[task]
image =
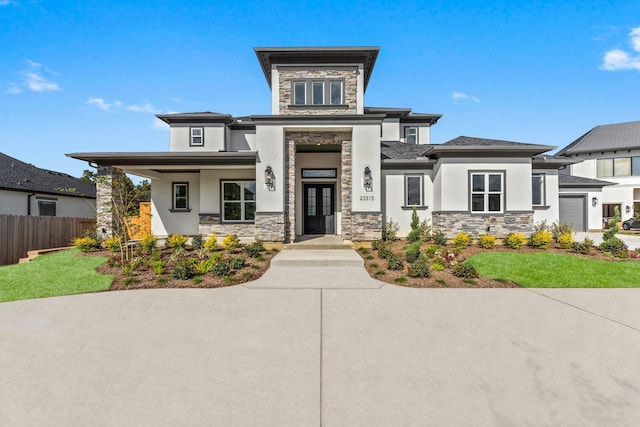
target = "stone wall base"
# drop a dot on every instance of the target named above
(500, 225)
(270, 226)
(366, 226)
(267, 226)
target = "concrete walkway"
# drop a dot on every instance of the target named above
(272, 353)
(632, 241)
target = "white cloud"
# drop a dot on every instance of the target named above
(104, 106)
(34, 79)
(618, 59)
(459, 96)
(38, 83)
(146, 108)
(14, 89)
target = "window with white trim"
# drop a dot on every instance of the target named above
(411, 135)
(335, 89)
(487, 192)
(299, 93)
(197, 136)
(46, 207)
(317, 93)
(413, 190)
(537, 189)
(180, 196)
(238, 201)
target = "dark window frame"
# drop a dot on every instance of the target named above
(406, 135)
(242, 201)
(543, 189)
(406, 190)
(174, 207)
(486, 192)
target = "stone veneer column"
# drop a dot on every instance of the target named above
(104, 200)
(290, 190)
(345, 189)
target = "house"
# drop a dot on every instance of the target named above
(29, 190)
(324, 163)
(606, 165)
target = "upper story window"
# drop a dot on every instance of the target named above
(487, 192)
(413, 190)
(620, 166)
(537, 189)
(335, 92)
(318, 92)
(197, 136)
(180, 196)
(411, 135)
(299, 93)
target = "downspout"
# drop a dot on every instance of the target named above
(29, 203)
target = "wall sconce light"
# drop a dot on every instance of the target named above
(627, 209)
(269, 178)
(594, 202)
(368, 179)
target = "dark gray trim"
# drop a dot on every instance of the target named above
(173, 197)
(221, 183)
(422, 189)
(180, 210)
(418, 208)
(191, 144)
(302, 170)
(169, 158)
(541, 208)
(46, 198)
(318, 106)
(404, 128)
(544, 189)
(504, 190)
(203, 117)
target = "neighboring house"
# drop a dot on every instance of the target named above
(323, 163)
(607, 165)
(28, 190)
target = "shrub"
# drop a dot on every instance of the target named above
(412, 252)
(565, 240)
(385, 252)
(254, 249)
(148, 242)
(114, 261)
(158, 267)
(461, 240)
(486, 241)
(613, 225)
(196, 241)
(221, 268)
(540, 240)
(614, 245)
(464, 270)
(414, 236)
(236, 263)
(128, 281)
(400, 279)
(85, 244)
(211, 243)
(175, 241)
(541, 226)
(436, 266)
(395, 262)
(583, 247)
(432, 251)
(415, 219)
(203, 267)
(420, 268)
(425, 230)
(390, 230)
(183, 270)
(113, 243)
(560, 228)
(230, 242)
(514, 241)
(375, 245)
(440, 239)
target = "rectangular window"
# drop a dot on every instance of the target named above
(197, 136)
(319, 173)
(635, 166)
(413, 190)
(487, 192)
(604, 167)
(317, 91)
(537, 189)
(622, 166)
(335, 89)
(411, 135)
(181, 195)
(238, 201)
(299, 93)
(46, 207)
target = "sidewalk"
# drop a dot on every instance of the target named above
(632, 241)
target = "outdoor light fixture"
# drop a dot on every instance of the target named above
(269, 177)
(368, 179)
(594, 202)
(627, 209)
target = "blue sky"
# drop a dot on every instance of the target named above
(90, 75)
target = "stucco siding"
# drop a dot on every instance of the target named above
(13, 202)
(165, 222)
(16, 203)
(214, 137)
(366, 153)
(269, 142)
(394, 199)
(550, 212)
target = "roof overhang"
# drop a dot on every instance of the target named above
(409, 164)
(551, 162)
(365, 55)
(205, 117)
(524, 150)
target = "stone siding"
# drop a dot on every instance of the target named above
(270, 226)
(346, 74)
(105, 226)
(210, 223)
(345, 189)
(366, 226)
(499, 225)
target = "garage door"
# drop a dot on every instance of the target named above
(572, 211)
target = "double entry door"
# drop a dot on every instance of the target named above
(319, 209)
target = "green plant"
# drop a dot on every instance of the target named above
(436, 266)
(114, 261)
(583, 247)
(469, 281)
(560, 228)
(363, 250)
(379, 273)
(175, 241)
(129, 267)
(565, 240)
(464, 270)
(162, 280)
(486, 241)
(614, 245)
(414, 236)
(441, 282)
(432, 251)
(400, 279)
(128, 281)
(385, 252)
(229, 280)
(230, 242)
(148, 242)
(461, 240)
(373, 265)
(540, 239)
(420, 268)
(203, 267)
(221, 268)
(158, 267)
(395, 262)
(514, 241)
(541, 226)
(197, 280)
(390, 230)
(211, 243)
(182, 270)
(113, 243)
(439, 239)
(412, 252)
(85, 244)
(196, 242)
(613, 225)
(178, 254)
(254, 249)
(247, 275)
(425, 230)
(415, 219)
(236, 263)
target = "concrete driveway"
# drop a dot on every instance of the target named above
(323, 357)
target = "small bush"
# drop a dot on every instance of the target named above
(420, 268)
(379, 273)
(85, 244)
(373, 265)
(158, 267)
(176, 241)
(148, 242)
(414, 236)
(254, 249)
(439, 239)
(412, 252)
(236, 263)
(390, 230)
(541, 226)
(203, 267)
(113, 243)
(432, 251)
(425, 230)
(464, 270)
(395, 262)
(565, 240)
(196, 242)
(613, 226)
(436, 266)
(461, 240)
(615, 246)
(400, 279)
(385, 252)
(183, 270)
(583, 247)
(363, 250)
(197, 280)
(560, 228)
(221, 268)
(540, 240)
(486, 241)
(230, 242)
(514, 241)
(211, 243)
(114, 261)
(128, 281)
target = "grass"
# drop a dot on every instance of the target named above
(549, 270)
(59, 273)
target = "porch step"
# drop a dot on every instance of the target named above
(329, 242)
(318, 258)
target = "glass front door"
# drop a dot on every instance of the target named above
(319, 209)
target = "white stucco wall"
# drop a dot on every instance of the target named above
(164, 222)
(365, 151)
(594, 213)
(269, 142)
(240, 140)
(15, 203)
(393, 195)
(210, 189)
(551, 211)
(391, 130)
(214, 137)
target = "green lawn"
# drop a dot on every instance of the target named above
(59, 273)
(553, 270)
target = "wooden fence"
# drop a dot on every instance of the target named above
(139, 226)
(19, 234)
